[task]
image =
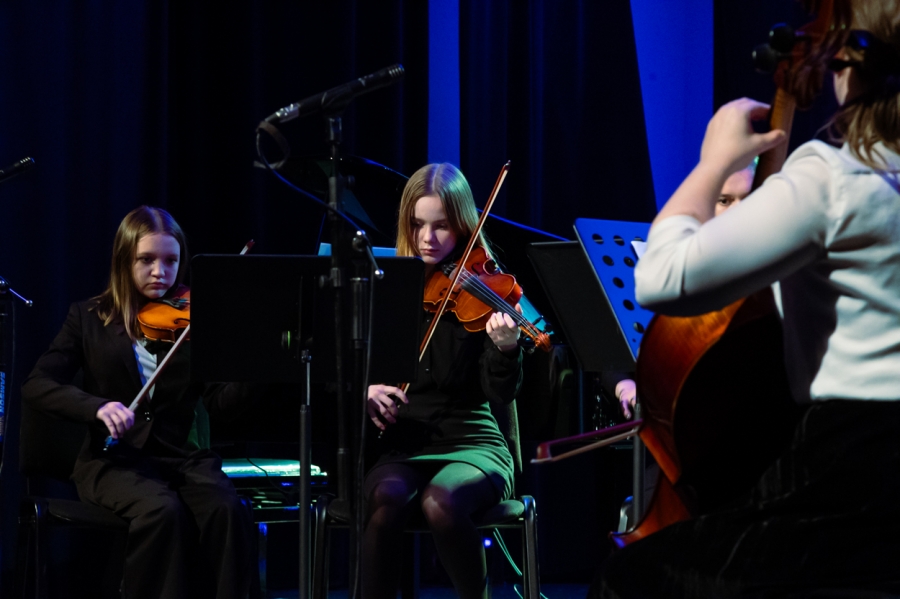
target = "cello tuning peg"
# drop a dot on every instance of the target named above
(782, 38)
(766, 58)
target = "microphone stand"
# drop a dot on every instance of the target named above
(349, 502)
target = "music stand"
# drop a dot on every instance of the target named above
(233, 341)
(609, 247)
(591, 286)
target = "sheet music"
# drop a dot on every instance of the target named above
(639, 247)
(325, 250)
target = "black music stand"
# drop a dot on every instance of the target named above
(590, 283)
(279, 296)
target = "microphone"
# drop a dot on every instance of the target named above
(336, 99)
(15, 168)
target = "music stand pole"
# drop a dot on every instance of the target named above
(637, 492)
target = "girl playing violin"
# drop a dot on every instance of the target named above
(441, 449)
(822, 520)
(157, 477)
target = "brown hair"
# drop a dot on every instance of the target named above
(121, 301)
(449, 184)
(875, 115)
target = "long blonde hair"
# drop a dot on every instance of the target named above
(449, 184)
(875, 115)
(121, 301)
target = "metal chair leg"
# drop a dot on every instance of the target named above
(531, 574)
(320, 549)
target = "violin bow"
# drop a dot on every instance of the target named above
(455, 279)
(469, 247)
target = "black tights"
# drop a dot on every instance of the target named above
(448, 499)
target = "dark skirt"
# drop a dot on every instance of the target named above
(823, 521)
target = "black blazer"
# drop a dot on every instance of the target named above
(106, 356)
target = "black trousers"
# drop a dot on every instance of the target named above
(189, 534)
(823, 521)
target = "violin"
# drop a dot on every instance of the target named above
(161, 319)
(480, 291)
(474, 274)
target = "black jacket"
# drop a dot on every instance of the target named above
(106, 356)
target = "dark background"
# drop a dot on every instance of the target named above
(132, 103)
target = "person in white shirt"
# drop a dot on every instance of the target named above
(825, 233)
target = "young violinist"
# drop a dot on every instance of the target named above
(185, 519)
(822, 520)
(441, 450)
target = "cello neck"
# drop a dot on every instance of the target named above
(780, 117)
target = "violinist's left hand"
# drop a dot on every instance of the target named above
(503, 330)
(626, 393)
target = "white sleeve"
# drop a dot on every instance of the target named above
(690, 268)
(146, 364)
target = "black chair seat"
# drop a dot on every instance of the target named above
(37, 515)
(47, 451)
(76, 513)
(513, 513)
(502, 513)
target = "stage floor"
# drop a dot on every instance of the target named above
(507, 591)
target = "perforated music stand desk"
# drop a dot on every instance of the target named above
(590, 283)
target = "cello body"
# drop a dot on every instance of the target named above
(716, 411)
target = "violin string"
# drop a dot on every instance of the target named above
(480, 290)
(477, 288)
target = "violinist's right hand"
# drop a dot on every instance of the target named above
(116, 417)
(382, 404)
